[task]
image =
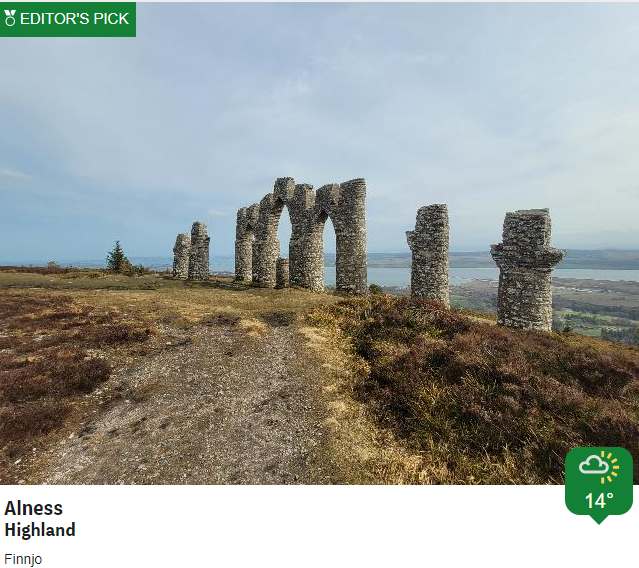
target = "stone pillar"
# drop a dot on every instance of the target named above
(350, 233)
(265, 255)
(281, 273)
(244, 259)
(429, 245)
(244, 244)
(300, 209)
(313, 277)
(525, 260)
(181, 252)
(199, 257)
(266, 247)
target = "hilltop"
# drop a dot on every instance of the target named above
(114, 379)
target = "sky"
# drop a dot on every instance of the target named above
(486, 107)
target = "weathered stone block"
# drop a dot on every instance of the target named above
(429, 246)
(199, 255)
(281, 273)
(525, 260)
(244, 237)
(181, 252)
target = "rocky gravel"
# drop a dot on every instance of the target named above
(209, 405)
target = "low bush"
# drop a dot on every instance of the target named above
(375, 289)
(135, 270)
(52, 268)
(45, 365)
(490, 404)
(59, 374)
(28, 420)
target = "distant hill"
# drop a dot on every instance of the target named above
(597, 259)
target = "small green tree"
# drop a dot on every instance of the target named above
(116, 260)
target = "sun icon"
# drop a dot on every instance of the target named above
(613, 473)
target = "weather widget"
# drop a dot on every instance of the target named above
(599, 482)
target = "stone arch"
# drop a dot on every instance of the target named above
(266, 246)
(345, 205)
(308, 211)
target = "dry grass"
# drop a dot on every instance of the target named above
(36, 269)
(469, 402)
(55, 326)
(59, 271)
(476, 403)
(49, 359)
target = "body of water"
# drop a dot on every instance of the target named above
(401, 276)
(396, 276)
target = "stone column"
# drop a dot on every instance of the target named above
(243, 247)
(199, 257)
(265, 255)
(350, 241)
(300, 207)
(181, 252)
(281, 273)
(525, 260)
(266, 247)
(313, 255)
(429, 245)
(244, 259)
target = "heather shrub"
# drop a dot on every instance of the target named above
(45, 365)
(492, 404)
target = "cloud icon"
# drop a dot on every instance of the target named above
(585, 467)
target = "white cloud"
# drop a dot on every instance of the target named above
(488, 108)
(584, 466)
(14, 175)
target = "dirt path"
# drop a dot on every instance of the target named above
(211, 405)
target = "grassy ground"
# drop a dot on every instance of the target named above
(154, 297)
(483, 404)
(52, 352)
(412, 393)
(66, 334)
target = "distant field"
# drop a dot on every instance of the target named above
(599, 308)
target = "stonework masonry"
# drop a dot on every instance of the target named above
(244, 237)
(525, 260)
(199, 254)
(524, 257)
(429, 246)
(308, 210)
(282, 273)
(181, 252)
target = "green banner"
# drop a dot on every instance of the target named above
(67, 19)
